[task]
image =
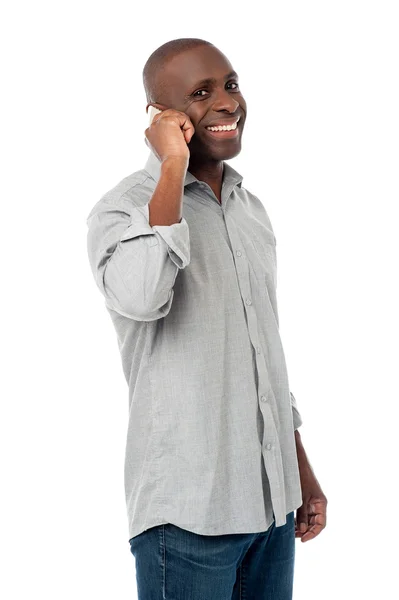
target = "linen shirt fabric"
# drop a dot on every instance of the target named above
(210, 440)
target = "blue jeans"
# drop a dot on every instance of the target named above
(175, 564)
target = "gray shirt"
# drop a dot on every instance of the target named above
(210, 441)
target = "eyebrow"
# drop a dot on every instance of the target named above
(212, 80)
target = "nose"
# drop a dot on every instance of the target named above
(225, 101)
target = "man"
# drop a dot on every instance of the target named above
(185, 258)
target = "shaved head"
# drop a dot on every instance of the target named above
(155, 84)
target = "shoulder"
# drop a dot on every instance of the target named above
(256, 206)
(132, 191)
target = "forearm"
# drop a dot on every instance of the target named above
(303, 461)
(165, 206)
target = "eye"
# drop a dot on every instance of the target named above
(203, 90)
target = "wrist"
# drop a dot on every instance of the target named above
(175, 162)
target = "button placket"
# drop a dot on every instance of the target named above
(272, 466)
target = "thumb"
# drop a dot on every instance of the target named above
(188, 134)
(301, 519)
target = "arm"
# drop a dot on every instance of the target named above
(311, 516)
(136, 253)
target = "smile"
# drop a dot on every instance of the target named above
(224, 132)
(224, 127)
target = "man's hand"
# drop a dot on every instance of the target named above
(169, 133)
(311, 517)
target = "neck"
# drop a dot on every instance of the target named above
(210, 172)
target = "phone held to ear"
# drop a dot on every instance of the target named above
(152, 112)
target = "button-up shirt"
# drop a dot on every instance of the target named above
(210, 440)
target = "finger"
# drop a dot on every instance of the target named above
(317, 521)
(301, 519)
(183, 120)
(188, 129)
(306, 517)
(318, 512)
(185, 123)
(312, 532)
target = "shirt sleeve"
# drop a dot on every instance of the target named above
(296, 415)
(135, 265)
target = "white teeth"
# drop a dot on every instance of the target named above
(224, 127)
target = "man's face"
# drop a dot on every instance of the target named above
(206, 103)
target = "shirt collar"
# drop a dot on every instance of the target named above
(230, 175)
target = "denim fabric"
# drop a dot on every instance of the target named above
(175, 564)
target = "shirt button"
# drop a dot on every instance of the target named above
(248, 301)
(258, 350)
(268, 446)
(263, 398)
(238, 252)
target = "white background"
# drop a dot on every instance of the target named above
(320, 149)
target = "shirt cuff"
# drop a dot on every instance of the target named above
(175, 236)
(296, 416)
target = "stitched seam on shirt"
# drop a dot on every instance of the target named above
(122, 195)
(133, 186)
(150, 442)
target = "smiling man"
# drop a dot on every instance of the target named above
(185, 257)
(187, 82)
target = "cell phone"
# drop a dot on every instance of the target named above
(152, 112)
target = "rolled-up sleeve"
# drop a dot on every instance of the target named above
(296, 415)
(135, 265)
